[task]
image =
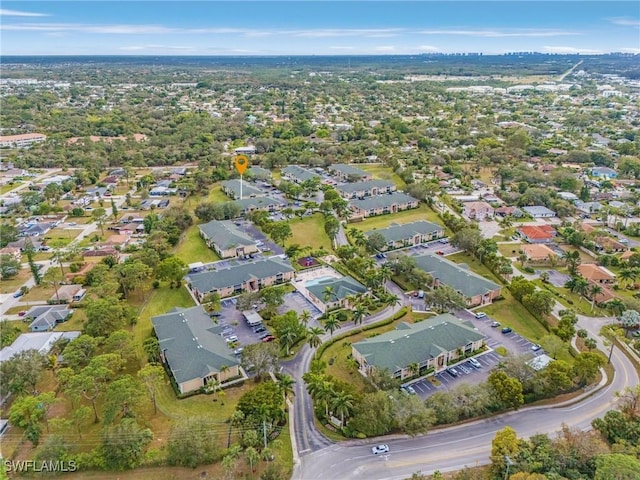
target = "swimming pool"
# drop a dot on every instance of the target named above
(316, 281)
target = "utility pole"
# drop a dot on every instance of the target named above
(264, 429)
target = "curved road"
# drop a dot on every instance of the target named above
(445, 449)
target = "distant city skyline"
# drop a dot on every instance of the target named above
(317, 28)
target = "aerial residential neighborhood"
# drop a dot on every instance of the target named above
(319, 266)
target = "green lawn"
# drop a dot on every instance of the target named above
(8, 187)
(509, 249)
(509, 312)
(423, 212)
(309, 231)
(61, 237)
(216, 194)
(383, 173)
(10, 285)
(193, 249)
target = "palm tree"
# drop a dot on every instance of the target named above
(507, 222)
(391, 300)
(414, 368)
(328, 294)
(287, 339)
(342, 403)
(594, 289)
(385, 273)
(573, 260)
(581, 286)
(305, 316)
(314, 335)
(544, 277)
(522, 258)
(627, 275)
(331, 324)
(359, 313)
(616, 307)
(286, 383)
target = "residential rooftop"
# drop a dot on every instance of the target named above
(190, 343)
(340, 288)
(458, 277)
(417, 342)
(238, 274)
(299, 173)
(382, 201)
(365, 186)
(396, 232)
(225, 234)
(348, 170)
(248, 190)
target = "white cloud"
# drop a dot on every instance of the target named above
(385, 48)
(630, 50)
(500, 33)
(570, 50)
(338, 47)
(344, 32)
(625, 21)
(428, 48)
(133, 48)
(16, 13)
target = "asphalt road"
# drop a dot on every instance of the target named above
(461, 446)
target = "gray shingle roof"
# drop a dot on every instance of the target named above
(382, 201)
(342, 287)
(47, 315)
(258, 202)
(260, 172)
(239, 274)
(193, 349)
(365, 186)
(225, 234)
(449, 273)
(417, 342)
(247, 189)
(394, 233)
(347, 170)
(299, 173)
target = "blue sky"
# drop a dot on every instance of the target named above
(316, 28)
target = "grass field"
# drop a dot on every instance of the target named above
(61, 237)
(8, 187)
(216, 194)
(423, 212)
(507, 311)
(509, 249)
(383, 173)
(10, 285)
(193, 249)
(309, 231)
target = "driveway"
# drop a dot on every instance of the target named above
(556, 278)
(489, 228)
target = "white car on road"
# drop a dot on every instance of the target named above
(380, 449)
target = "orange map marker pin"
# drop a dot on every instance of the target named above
(242, 162)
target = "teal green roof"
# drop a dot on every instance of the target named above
(396, 232)
(248, 190)
(299, 173)
(347, 170)
(457, 277)
(236, 275)
(225, 234)
(365, 186)
(342, 287)
(191, 343)
(382, 201)
(417, 342)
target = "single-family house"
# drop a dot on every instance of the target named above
(348, 173)
(609, 245)
(329, 293)
(414, 233)
(537, 233)
(119, 241)
(232, 188)
(568, 196)
(24, 140)
(193, 350)
(478, 210)
(476, 289)
(539, 211)
(246, 277)
(368, 188)
(596, 274)
(605, 173)
(227, 239)
(296, 174)
(381, 204)
(508, 211)
(432, 344)
(539, 254)
(40, 341)
(67, 294)
(14, 252)
(24, 243)
(46, 317)
(588, 207)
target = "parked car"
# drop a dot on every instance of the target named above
(269, 338)
(507, 330)
(215, 314)
(495, 324)
(259, 329)
(475, 363)
(18, 294)
(453, 371)
(22, 313)
(232, 339)
(480, 315)
(444, 240)
(238, 351)
(535, 347)
(378, 449)
(408, 389)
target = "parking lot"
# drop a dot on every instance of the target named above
(440, 247)
(295, 301)
(466, 372)
(231, 322)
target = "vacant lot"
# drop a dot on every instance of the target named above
(383, 173)
(423, 212)
(309, 231)
(61, 237)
